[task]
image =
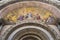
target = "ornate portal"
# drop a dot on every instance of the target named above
(29, 20)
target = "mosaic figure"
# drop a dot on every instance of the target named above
(21, 18)
(29, 16)
(38, 16)
(50, 20)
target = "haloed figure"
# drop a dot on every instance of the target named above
(51, 20)
(38, 16)
(29, 16)
(21, 18)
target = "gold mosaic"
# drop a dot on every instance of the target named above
(28, 13)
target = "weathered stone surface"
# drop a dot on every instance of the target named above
(50, 30)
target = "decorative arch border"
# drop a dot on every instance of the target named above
(13, 6)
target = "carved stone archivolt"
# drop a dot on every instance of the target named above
(30, 17)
